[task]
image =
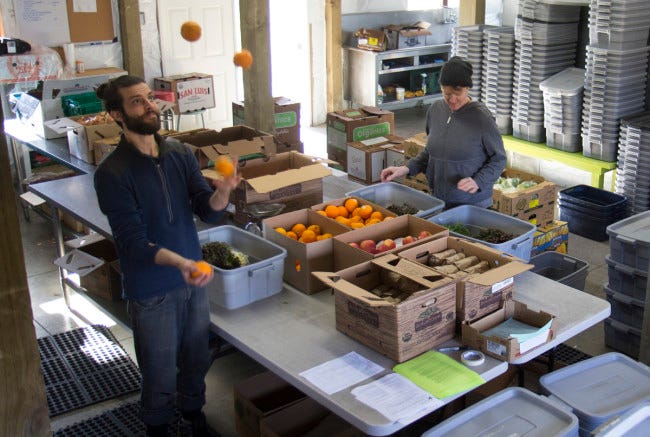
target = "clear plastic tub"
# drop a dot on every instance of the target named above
(514, 411)
(476, 219)
(391, 193)
(562, 268)
(262, 278)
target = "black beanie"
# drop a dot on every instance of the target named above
(456, 72)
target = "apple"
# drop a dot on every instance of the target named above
(424, 234)
(367, 245)
(355, 245)
(408, 239)
(381, 247)
(390, 244)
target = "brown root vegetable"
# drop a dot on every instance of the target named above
(481, 267)
(447, 269)
(452, 259)
(466, 262)
(436, 259)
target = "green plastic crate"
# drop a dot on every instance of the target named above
(81, 104)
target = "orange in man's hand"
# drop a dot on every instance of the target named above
(191, 31)
(202, 268)
(243, 59)
(224, 166)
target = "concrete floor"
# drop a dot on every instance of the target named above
(51, 315)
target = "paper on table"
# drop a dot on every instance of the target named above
(396, 397)
(520, 331)
(439, 374)
(342, 372)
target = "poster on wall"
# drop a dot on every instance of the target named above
(42, 23)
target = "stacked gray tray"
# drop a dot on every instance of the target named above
(498, 74)
(633, 168)
(563, 109)
(467, 42)
(542, 49)
(619, 24)
(615, 85)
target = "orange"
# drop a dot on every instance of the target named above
(351, 204)
(332, 211)
(365, 211)
(281, 230)
(292, 235)
(314, 228)
(357, 225)
(224, 166)
(343, 212)
(356, 219)
(325, 236)
(322, 212)
(202, 268)
(243, 59)
(356, 212)
(377, 215)
(298, 229)
(191, 31)
(308, 236)
(343, 220)
(372, 221)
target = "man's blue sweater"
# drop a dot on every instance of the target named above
(150, 204)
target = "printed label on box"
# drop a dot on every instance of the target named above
(336, 139)
(370, 131)
(499, 285)
(285, 119)
(496, 348)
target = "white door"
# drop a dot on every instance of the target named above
(211, 54)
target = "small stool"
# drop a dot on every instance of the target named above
(197, 112)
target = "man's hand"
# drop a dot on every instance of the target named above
(223, 187)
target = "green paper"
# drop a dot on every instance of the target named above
(439, 374)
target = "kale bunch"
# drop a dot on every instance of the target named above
(224, 256)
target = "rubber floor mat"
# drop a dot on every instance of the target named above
(85, 366)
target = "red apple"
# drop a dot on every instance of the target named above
(408, 239)
(381, 247)
(390, 244)
(424, 234)
(355, 245)
(367, 245)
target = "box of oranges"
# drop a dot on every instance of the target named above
(307, 237)
(353, 212)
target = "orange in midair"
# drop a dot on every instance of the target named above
(243, 59)
(224, 166)
(203, 268)
(191, 31)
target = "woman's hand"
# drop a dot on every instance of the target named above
(468, 185)
(390, 173)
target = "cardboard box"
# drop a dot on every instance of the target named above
(287, 119)
(481, 294)
(290, 147)
(35, 111)
(193, 91)
(242, 141)
(104, 281)
(371, 39)
(524, 204)
(395, 155)
(552, 237)
(502, 348)
(401, 36)
(103, 147)
(352, 125)
(412, 146)
(419, 182)
(306, 418)
(82, 135)
(367, 158)
(290, 178)
(399, 330)
(304, 258)
(260, 396)
(399, 227)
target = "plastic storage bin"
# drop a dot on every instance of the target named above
(622, 337)
(629, 241)
(260, 279)
(634, 423)
(512, 411)
(476, 219)
(590, 210)
(391, 193)
(625, 309)
(625, 279)
(81, 104)
(600, 388)
(561, 268)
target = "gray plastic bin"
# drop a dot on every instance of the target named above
(634, 423)
(600, 388)
(625, 309)
(629, 241)
(626, 280)
(476, 219)
(622, 337)
(260, 279)
(512, 411)
(561, 268)
(386, 194)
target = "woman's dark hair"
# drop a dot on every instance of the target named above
(109, 91)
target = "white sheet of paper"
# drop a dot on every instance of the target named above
(84, 6)
(396, 397)
(342, 372)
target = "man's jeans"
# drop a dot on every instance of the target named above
(171, 335)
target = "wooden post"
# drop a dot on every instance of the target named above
(471, 12)
(131, 37)
(255, 37)
(22, 389)
(333, 55)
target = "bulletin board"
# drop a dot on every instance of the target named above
(91, 26)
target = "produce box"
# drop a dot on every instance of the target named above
(371, 39)
(552, 237)
(367, 158)
(352, 125)
(258, 397)
(507, 349)
(477, 294)
(85, 130)
(402, 36)
(418, 318)
(287, 119)
(192, 91)
(303, 258)
(241, 141)
(106, 280)
(399, 228)
(412, 146)
(103, 147)
(418, 182)
(535, 204)
(290, 178)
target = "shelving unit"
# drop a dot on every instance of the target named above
(401, 67)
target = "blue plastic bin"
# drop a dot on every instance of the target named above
(476, 219)
(391, 193)
(634, 423)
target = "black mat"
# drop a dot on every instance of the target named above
(85, 366)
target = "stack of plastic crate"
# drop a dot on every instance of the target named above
(498, 73)
(467, 42)
(633, 168)
(546, 39)
(617, 69)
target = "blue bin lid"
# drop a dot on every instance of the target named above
(634, 423)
